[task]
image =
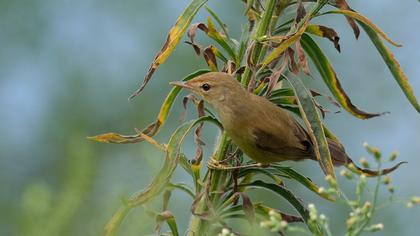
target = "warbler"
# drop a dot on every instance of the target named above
(264, 131)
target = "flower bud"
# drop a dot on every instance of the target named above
(394, 156)
(331, 181)
(364, 162)
(346, 174)
(375, 228)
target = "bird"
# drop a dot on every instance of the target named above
(264, 131)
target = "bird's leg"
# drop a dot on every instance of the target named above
(216, 165)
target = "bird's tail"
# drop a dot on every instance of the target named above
(339, 158)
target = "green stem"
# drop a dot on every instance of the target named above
(199, 226)
(261, 30)
(369, 215)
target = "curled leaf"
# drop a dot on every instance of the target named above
(210, 58)
(342, 4)
(326, 32)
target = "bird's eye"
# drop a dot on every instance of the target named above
(205, 87)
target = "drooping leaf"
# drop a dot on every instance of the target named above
(210, 58)
(161, 180)
(366, 21)
(393, 65)
(174, 36)
(314, 125)
(303, 62)
(305, 181)
(330, 78)
(183, 187)
(300, 11)
(290, 197)
(154, 127)
(293, 67)
(326, 32)
(342, 4)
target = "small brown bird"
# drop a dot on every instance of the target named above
(265, 132)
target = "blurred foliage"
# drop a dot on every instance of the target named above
(261, 60)
(66, 69)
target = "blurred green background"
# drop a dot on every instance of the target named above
(68, 67)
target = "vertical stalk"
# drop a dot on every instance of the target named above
(261, 30)
(198, 226)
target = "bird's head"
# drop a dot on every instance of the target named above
(217, 88)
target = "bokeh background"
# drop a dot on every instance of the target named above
(67, 68)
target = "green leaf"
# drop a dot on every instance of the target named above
(163, 177)
(330, 78)
(393, 65)
(286, 194)
(154, 127)
(253, 170)
(305, 181)
(313, 122)
(174, 36)
(170, 220)
(183, 187)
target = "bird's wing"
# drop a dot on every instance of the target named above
(295, 144)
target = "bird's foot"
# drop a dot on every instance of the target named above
(216, 165)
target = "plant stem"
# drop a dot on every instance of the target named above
(199, 226)
(261, 30)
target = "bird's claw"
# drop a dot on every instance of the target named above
(217, 165)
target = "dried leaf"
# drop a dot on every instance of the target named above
(326, 32)
(210, 58)
(303, 62)
(293, 67)
(275, 76)
(300, 12)
(342, 4)
(174, 36)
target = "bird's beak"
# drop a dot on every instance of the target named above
(181, 84)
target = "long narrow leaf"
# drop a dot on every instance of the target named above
(305, 181)
(174, 36)
(314, 125)
(290, 197)
(330, 77)
(393, 65)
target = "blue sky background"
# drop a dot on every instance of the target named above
(67, 68)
